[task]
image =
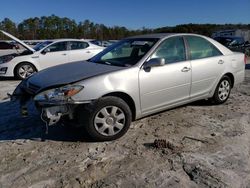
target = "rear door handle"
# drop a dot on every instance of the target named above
(185, 69)
(88, 52)
(220, 62)
(64, 54)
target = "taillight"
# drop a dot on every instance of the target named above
(245, 59)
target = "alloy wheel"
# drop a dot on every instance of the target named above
(26, 70)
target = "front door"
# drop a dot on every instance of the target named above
(162, 86)
(54, 54)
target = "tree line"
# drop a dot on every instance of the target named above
(53, 27)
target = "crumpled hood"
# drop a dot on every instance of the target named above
(68, 73)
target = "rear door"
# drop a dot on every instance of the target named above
(207, 64)
(79, 51)
(54, 54)
(168, 84)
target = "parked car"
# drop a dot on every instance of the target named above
(44, 55)
(6, 46)
(134, 78)
(237, 44)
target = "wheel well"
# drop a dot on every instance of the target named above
(22, 63)
(231, 76)
(127, 99)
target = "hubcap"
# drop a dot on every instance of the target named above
(109, 121)
(224, 90)
(25, 71)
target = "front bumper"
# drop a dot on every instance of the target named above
(51, 111)
(3, 70)
(6, 70)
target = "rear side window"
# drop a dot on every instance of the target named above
(172, 50)
(75, 45)
(201, 48)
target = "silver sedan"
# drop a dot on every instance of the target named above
(133, 78)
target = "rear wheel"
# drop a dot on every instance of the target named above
(106, 119)
(222, 90)
(24, 70)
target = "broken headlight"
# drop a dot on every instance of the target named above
(59, 94)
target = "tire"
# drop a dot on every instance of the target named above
(106, 119)
(24, 70)
(222, 90)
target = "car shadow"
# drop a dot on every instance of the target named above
(8, 78)
(201, 103)
(13, 126)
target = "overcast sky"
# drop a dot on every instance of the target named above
(133, 14)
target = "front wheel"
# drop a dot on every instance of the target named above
(106, 119)
(24, 70)
(222, 90)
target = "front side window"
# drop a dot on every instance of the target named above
(59, 46)
(201, 48)
(125, 53)
(172, 50)
(75, 45)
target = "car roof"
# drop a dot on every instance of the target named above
(154, 35)
(164, 35)
(62, 40)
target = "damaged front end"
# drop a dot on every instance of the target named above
(57, 102)
(52, 103)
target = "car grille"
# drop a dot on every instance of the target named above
(32, 88)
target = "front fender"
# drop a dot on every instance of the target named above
(123, 81)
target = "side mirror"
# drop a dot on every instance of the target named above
(46, 50)
(155, 62)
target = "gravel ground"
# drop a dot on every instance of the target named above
(206, 146)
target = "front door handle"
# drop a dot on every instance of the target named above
(220, 62)
(64, 54)
(185, 69)
(88, 52)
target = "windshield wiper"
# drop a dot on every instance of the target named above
(109, 63)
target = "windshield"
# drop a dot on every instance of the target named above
(126, 52)
(41, 45)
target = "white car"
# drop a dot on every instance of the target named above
(44, 55)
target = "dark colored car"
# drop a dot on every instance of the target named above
(6, 45)
(237, 44)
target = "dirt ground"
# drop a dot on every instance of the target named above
(206, 146)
